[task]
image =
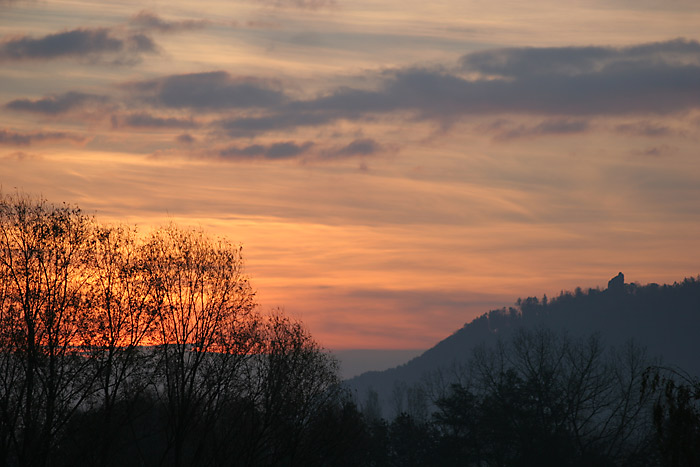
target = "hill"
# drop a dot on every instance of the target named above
(663, 318)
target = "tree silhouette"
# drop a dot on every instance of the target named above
(676, 414)
(121, 316)
(545, 399)
(203, 298)
(121, 350)
(44, 268)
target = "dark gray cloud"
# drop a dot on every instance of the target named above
(145, 120)
(140, 43)
(291, 150)
(573, 82)
(526, 61)
(150, 21)
(12, 138)
(54, 105)
(358, 147)
(284, 150)
(566, 86)
(344, 103)
(646, 87)
(215, 90)
(76, 43)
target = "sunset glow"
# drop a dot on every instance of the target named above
(392, 169)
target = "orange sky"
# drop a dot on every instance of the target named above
(392, 169)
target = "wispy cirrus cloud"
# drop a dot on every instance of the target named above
(282, 120)
(150, 21)
(655, 151)
(20, 156)
(12, 2)
(300, 4)
(548, 127)
(81, 42)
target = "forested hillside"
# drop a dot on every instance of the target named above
(595, 377)
(664, 319)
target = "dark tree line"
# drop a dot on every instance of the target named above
(676, 414)
(542, 398)
(119, 349)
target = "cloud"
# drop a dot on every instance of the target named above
(291, 150)
(545, 128)
(141, 43)
(76, 43)
(300, 4)
(145, 120)
(656, 151)
(20, 156)
(276, 151)
(215, 90)
(258, 24)
(55, 105)
(10, 2)
(565, 85)
(643, 129)
(654, 78)
(12, 138)
(147, 20)
(246, 126)
(358, 147)
(529, 61)
(186, 138)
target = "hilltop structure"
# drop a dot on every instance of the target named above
(617, 283)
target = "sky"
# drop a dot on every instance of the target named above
(393, 169)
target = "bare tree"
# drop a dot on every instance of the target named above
(547, 393)
(295, 381)
(44, 267)
(676, 414)
(371, 408)
(121, 317)
(205, 297)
